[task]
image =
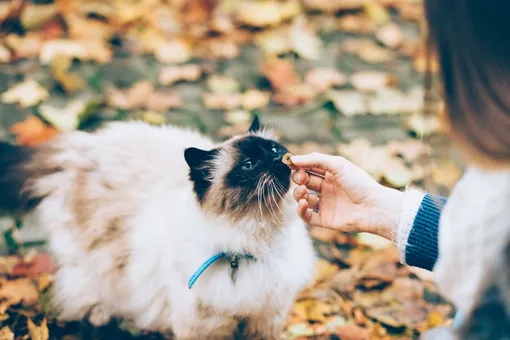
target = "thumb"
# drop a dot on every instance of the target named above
(315, 160)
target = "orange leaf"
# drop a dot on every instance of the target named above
(32, 132)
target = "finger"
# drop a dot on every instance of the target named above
(316, 171)
(312, 182)
(320, 161)
(301, 193)
(308, 216)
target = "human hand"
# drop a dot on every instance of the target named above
(344, 197)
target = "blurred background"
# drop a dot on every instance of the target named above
(347, 77)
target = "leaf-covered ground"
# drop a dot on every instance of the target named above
(338, 76)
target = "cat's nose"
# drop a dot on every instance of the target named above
(278, 155)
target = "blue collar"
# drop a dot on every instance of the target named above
(232, 257)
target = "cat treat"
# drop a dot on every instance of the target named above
(286, 159)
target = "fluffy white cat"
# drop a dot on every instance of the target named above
(133, 211)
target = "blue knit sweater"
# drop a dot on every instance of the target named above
(422, 244)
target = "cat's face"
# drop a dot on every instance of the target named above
(243, 176)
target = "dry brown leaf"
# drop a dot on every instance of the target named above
(352, 332)
(296, 95)
(324, 270)
(163, 100)
(32, 132)
(324, 78)
(19, 290)
(232, 130)
(390, 35)
(143, 95)
(38, 332)
(367, 50)
(423, 125)
(410, 149)
(345, 280)
(280, 73)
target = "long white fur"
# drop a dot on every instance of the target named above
(165, 237)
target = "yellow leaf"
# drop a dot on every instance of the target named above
(435, 319)
(318, 311)
(64, 119)
(222, 84)
(27, 93)
(38, 332)
(154, 118)
(323, 270)
(376, 12)
(259, 13)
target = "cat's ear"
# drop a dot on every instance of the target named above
(197, 157)
(255, 125)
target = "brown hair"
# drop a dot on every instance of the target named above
(470, 38)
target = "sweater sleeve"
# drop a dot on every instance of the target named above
(418, 229)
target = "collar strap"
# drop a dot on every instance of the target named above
(215, 258)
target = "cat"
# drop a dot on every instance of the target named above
(133, 210)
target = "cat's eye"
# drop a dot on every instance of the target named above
(274, 149)
(248, 165)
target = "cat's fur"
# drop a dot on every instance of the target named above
(133, 210)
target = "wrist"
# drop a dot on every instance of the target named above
(385, 212)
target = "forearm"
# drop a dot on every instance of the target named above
(418, 228)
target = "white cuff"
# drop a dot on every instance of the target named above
(410, 206)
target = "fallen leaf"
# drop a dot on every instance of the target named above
(27, 93)
(27, 46)
(348, 102)
(172, 74)
(5, 54)
(222, 101)
(374, 241)
(352, 332)
(396, 173)
(295, 95)
(423, 125)
(19, 290)
(325, 78)
(356, 24)
(64, 119)
(390, 35)
(345, 280)
(35, 16)
(33, 132)
(332, 6)
(38, 332)
(143, 95)
(153, 118)
(175, 51)
(370, 80)
(302, 329)
(59, 67)
(222, 84)
(280, 73)
(259, 13)
(38, 264)
(65, 47)
(274, 42)
(304, 41)
(238, 117)
(6, 333)
(254, 99)
(410, 150)
(376, 12)
(368, 51)
(163, 100)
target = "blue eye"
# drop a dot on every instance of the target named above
(274, 149)
(248, 165)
